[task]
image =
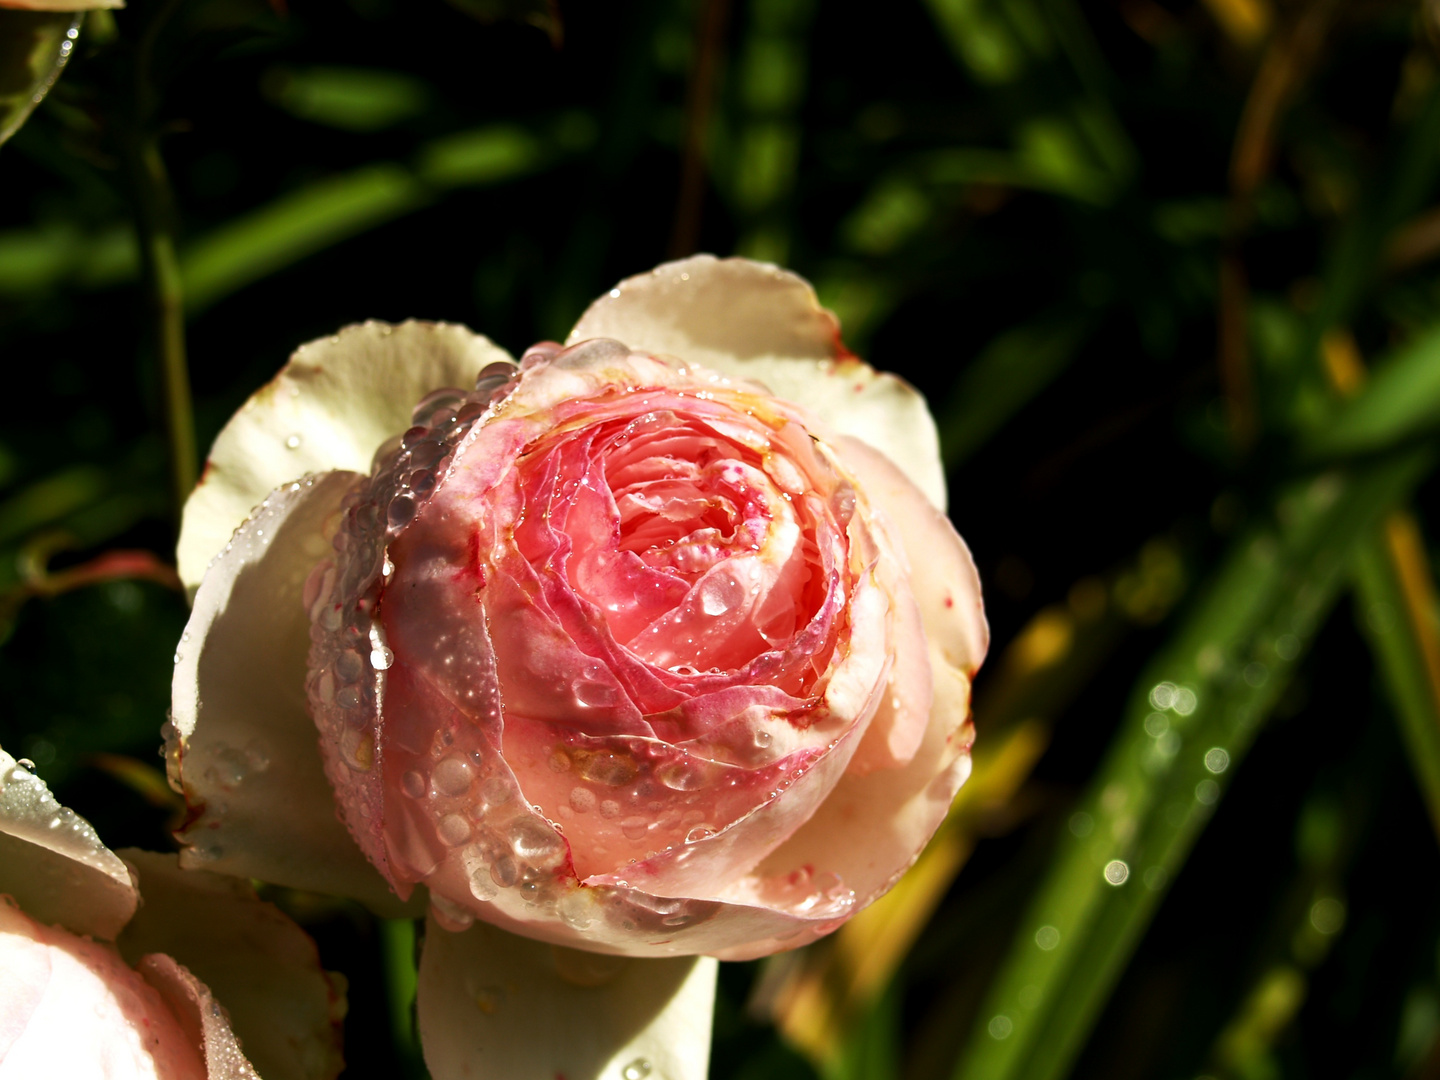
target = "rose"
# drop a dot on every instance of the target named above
(764, 508)
(75, 1006)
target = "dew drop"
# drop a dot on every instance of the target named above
(293, 442)
(400, 512)
(698, 833)
(504, 871)
(454, 830)
(452, 776)
(638, 1069)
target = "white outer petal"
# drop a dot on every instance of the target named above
(259, 964)
(53, 863)
(759, 322)
(337, 400)
(202, 1017)
(492, 1004)
(249, 754)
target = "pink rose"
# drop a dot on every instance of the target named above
(657, 643)
(72, 1005)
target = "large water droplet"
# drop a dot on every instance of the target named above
(454, 830)
(682, 775)
(504, 871)
(400, 512)
(594, 694)
(606, 767)
(719, 593)
(698, 833)
(634, 827)
(452, 776)
(536, 844)
(638, 1069)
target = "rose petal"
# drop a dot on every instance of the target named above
(493, 1004)
(263, 967)
(758, 322)
(69, 1007)
(200, 1015)
(886, 815)
(944, 580)
(334, 403)
(54, 864)
(246, 753)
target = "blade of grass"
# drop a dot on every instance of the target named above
(1397, 614)
(1010, 371)
(1191, 720)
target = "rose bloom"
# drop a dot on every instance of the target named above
(75, 1006)
(658, 642)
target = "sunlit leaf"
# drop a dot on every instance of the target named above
(349, 98)
(1396, 601)
(1193, 716)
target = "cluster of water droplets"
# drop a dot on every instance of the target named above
(822, 896)
(348, 651)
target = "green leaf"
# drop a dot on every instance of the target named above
(1400, 400)
(1384, 618)
(34, 48)
(1010, 371)
(349, 98)
(1189, 724)
(294, 226)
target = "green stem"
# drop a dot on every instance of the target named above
(154, 219)
(397, 950)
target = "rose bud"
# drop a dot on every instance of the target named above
(658, 642)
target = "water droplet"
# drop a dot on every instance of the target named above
(413, 784)
(762, 739)
(1206, 792)
(698, 833)
(609, 808)
(1000, 1027)
(638, 1069)
(576, 911)
(1217, 760)
(1046, 938)
(634, 827)
(719, 592)
(452, 776)
(349, 666)
(1117, 871)
(536, 844)
(682, 775)
(582, 799)
(482, 886)
(594, 694)
(496, 791)
(504, 871)
(293, 442)
(400, 512)
(450, 915)
(454, 830)
(606, 767)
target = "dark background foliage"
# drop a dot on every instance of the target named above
(1141, 255)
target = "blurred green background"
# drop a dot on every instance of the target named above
(1165, 270)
